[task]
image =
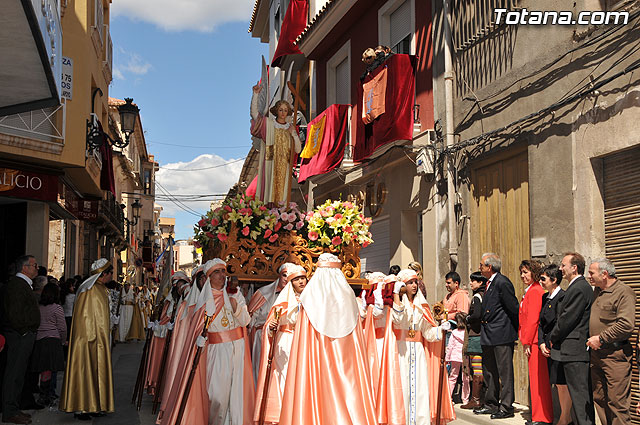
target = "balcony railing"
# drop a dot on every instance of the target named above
(41, 124)
(111, 209)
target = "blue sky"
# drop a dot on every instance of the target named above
(190, 67)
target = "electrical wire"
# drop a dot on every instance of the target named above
(177, 203)
(151, 142)
(204, 168)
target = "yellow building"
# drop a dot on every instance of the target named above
(50, 172)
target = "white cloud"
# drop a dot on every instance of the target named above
(190, 15)
(204, 182)
(129, 63)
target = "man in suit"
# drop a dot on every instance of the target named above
(498, 334)
(568, 338)
(20, 321)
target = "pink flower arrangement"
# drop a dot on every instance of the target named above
(245, 231)
(337, 240)
(313, 235)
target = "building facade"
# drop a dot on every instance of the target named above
(519, 150)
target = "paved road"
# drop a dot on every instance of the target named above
(126, 358)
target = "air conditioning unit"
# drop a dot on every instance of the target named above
(425, 162)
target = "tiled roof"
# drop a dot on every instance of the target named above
(253, 15)
(319, 16)
(116, 102)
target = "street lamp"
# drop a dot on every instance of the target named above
(136, 206)
(128, 114)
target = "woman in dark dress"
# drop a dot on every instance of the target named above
(550, 279)
(473, 349)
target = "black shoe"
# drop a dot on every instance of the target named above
(33, 406)
(82, 416)
(484, 410)
(98, 414)
(539, 423)
(502, 414)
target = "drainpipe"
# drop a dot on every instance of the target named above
(449, 135)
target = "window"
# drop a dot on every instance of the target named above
(146, 182)
(339, 76)
(396, 25)
(98, 21)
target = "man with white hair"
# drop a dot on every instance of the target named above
(259, 307)
(611, 325)
(88, 378)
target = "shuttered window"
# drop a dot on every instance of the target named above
(375, 257)
(400, 27)
(622, 230)
(342, 83)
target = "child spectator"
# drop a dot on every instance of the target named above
(454, 357)
(47, 354)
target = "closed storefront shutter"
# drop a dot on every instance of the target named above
(375, 257)
(622, 230)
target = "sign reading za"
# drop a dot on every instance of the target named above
(66, 85)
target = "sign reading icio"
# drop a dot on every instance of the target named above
(66, 85)
(28, 185)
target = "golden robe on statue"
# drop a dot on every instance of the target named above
(88, 378)
(277, 144)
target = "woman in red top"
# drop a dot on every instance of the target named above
(541, 403)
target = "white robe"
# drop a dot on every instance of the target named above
(126, 313)
(283, 342)
(225, 366)
(258, 318)
(413, 361)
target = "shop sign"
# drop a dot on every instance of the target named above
(28, 185)
(82, 209)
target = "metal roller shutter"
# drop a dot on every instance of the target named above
(375, 257)
(622, 231)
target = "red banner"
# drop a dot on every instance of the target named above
(28, 185)
(294, 22)
(397, 121)
(331, 150)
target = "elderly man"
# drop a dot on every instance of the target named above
(259, 307)
(611, 324)
(88, 378)
(498, 334)
(20, 321)
(568, 338)
(457, 300)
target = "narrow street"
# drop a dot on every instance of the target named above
(126, 358)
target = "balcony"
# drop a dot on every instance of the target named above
(111, 212)
(41, 129)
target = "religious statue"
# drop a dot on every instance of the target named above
(278, 142)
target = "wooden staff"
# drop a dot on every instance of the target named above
(114, 328)
(440, 314)
(267, 378)
(139, 387)
(165, 353)
(192, 373)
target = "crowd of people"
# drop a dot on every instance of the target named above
(314, 351)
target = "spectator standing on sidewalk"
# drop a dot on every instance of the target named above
(611, 324)
(541, 403)
(568, 338)
(473, 354)
(453, 357)
(47, 355)
(20, 321)
(498, 336)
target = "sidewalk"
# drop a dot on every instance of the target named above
(126, 358)
(468, 417)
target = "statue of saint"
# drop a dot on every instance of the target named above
(278, 142)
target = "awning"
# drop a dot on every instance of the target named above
(31, 52)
